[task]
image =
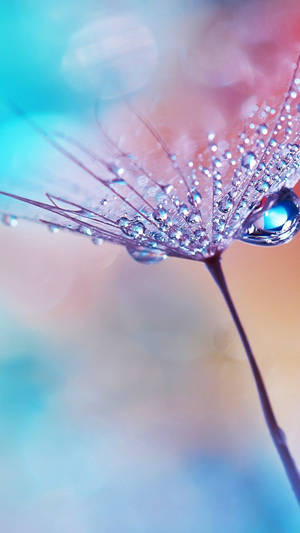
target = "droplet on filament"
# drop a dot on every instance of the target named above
(275, 221)
(147, 256)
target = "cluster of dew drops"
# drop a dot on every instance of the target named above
(207, 204)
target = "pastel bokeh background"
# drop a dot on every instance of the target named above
(126, 402)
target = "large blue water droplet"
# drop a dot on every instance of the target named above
(148, 256)
(275, 221)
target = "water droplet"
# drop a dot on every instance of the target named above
(124, 224)
(185, 241)
(118, 181)
(97, 241)
(118, 171)
(199, 233)
(293, 148)
(159, 237)
(53, 228)
(249, 160)
(275, 221)
(167, 188)
(260, 143)
(184, 210)
(160, 214)
(136, 229)
(194, 218)
(219, 225)
(226, 204)
(262, 186)
(194, 198)
(175, 233)
(86, 231)
(261, 166)
(217, 163)
(10, 220)
(147, 256)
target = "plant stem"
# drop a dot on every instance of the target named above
(214, 266)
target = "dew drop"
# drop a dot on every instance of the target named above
(124, 224)
(147, 256)
(249, 160)
(184, 210)
(86, 231)
(118, 181)
(160, 214)
(167, 188)
(194, 218)
(226, 204)
(175, 233)
(262, 186)
(136, 229)
(53, 228)
(118, 171)
(10, 220)
(97, 241)
(194, 198)
(217, 162)
(275, 221)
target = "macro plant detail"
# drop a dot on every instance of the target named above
(203, 208)
(242, 191)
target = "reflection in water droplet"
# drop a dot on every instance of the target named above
(275, 221)
(147, 256)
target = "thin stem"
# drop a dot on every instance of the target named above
(278, 437)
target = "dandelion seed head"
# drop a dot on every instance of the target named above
(198, 195)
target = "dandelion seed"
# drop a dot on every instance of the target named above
(155, 221)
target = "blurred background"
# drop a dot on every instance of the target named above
(126, 402)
